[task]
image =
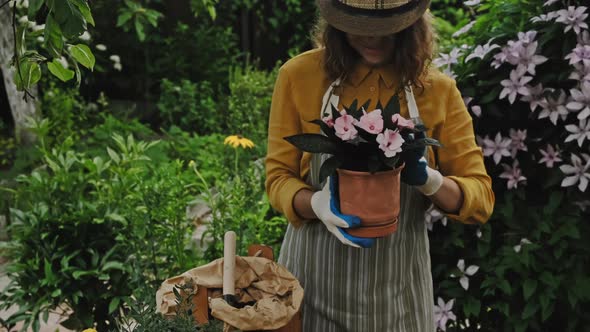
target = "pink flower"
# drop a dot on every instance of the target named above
(515, 85)
(578, 171)
(443, 313)
(401, 122)
(554, 108)
(390, 141)
(579, 132)
(498, 148)
(518, 137)
(573, 18)
(344, 127)
(433, 215)
(513, 175)
(328, 120)
(372, 122)
(535, 97)
(550, 156)
(465, 273)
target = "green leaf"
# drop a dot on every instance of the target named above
(505, 287)
(528, 288)
(21, 45)
(113, 265)
(79, 274)
(529, 310)
(83, 55)
(114, 156)
(329, 168)
(58, 70)
(124, 17)
(27, 76)
(114, 304)
(53, 36)
(84, 10)
(56, 293)
(139, 29)
(314, 143)
(69, 17)
(34, 6)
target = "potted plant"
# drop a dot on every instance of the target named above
(366, 150)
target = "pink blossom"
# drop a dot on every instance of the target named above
(465, 273)
(579, 132)
(550, 156)
(433, 215)
(517, 141)
(579, 54)
(372, 122)
(580, 101)
(535, 97)
(518, 247)
(390, 142)
(481, 51)
(513, 175)
(578, 171)
(443, 313)
(344, 127)
(528, 59)
(448, 59)
(581, 73)
(573, 18)
(497, 148)
(328, 120)
(402, 122)
(545, 17)
(515, 85)
(554, 108)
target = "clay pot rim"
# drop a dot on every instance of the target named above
(367, 173)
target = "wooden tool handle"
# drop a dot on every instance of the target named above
(229, 263)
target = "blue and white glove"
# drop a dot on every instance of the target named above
(326, 205)
(417, 173)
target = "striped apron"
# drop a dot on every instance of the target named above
(384, 288)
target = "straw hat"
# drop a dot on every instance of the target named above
(372, 17)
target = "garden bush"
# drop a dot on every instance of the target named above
(249, 102)
(523, 70)
(87, 231)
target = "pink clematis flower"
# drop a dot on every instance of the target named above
(573, 18)
(443, 313)
(550, 156)
(402, 122)
(515, 85)
(498, 148)
(577, 173)
(372, 122)
(344, 127)
(390, 142)
(513, 175)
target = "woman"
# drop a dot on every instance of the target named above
(371, 50)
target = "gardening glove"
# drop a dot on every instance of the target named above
(416, 171)
(326, 205)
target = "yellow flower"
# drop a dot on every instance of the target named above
(89, 330)
(238, 140)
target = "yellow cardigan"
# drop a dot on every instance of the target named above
(297, 99)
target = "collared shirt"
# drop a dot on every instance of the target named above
(297, 100)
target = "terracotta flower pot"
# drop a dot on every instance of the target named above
(375, 198)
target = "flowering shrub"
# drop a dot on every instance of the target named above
(524, 70)
(362, 141)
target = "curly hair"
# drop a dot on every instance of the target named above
(410, 62)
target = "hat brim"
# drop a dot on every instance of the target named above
(371, 22)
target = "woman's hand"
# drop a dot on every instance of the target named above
(325, 206)
(417, 173)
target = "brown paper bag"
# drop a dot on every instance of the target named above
(277, 293)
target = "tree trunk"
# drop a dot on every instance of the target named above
(19, 108)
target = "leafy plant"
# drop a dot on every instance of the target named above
(362, 141)
(85, 229)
